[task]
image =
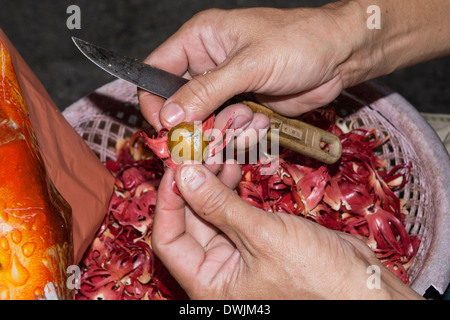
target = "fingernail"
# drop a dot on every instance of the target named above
(172, 114)
(192, 177)
(262, 123)
(241, 121)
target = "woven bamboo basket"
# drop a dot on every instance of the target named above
(111, 113)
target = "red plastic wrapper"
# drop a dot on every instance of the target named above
(54, 191)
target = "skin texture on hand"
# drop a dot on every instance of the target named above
(293, 60)
(411, 32)
(219, 247)
(270, 52)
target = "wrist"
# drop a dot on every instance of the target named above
(359, 46)
(409, 32)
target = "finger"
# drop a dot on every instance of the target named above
(241, 114)
(173, 218)
(231, 174)
(245, 132)
(215, 202)
(169, 221)
(297, 104)
(186, 52)
(197, 99)
(242, 117)
(176, 248)
(199, 228)
(183, 54)
(169, 57)
(250, 137)
(150, 106)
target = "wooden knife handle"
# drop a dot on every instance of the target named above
(301, 137)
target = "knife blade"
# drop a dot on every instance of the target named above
(291, 133)
(154, 80)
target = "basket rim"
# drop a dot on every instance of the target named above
(435, 155)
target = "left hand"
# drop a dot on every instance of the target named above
(217, 246)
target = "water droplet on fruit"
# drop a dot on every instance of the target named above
(39, 293)
(16, 236)
(28, 249)
(3, 215)
(4, 244)
(4, 293)
(19, 274)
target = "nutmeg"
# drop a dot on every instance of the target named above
(187, 142)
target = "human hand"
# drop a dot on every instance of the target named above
(217, 246)
(289, 58)
(294, 59)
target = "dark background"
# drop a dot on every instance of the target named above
(135, 27)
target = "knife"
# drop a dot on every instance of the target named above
(293, 134)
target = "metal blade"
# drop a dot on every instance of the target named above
(154, 80)
(165, 84)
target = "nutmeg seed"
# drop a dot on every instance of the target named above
(187, 142)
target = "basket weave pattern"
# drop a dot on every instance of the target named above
(415, 195)
(111, 113)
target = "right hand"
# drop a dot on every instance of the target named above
(294, 60)
(291, 59)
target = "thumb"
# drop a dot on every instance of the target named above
(218, 204)
(202, 95)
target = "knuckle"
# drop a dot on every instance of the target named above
(200, 89)
(214, 201)
(210, 13)
(202, 19)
